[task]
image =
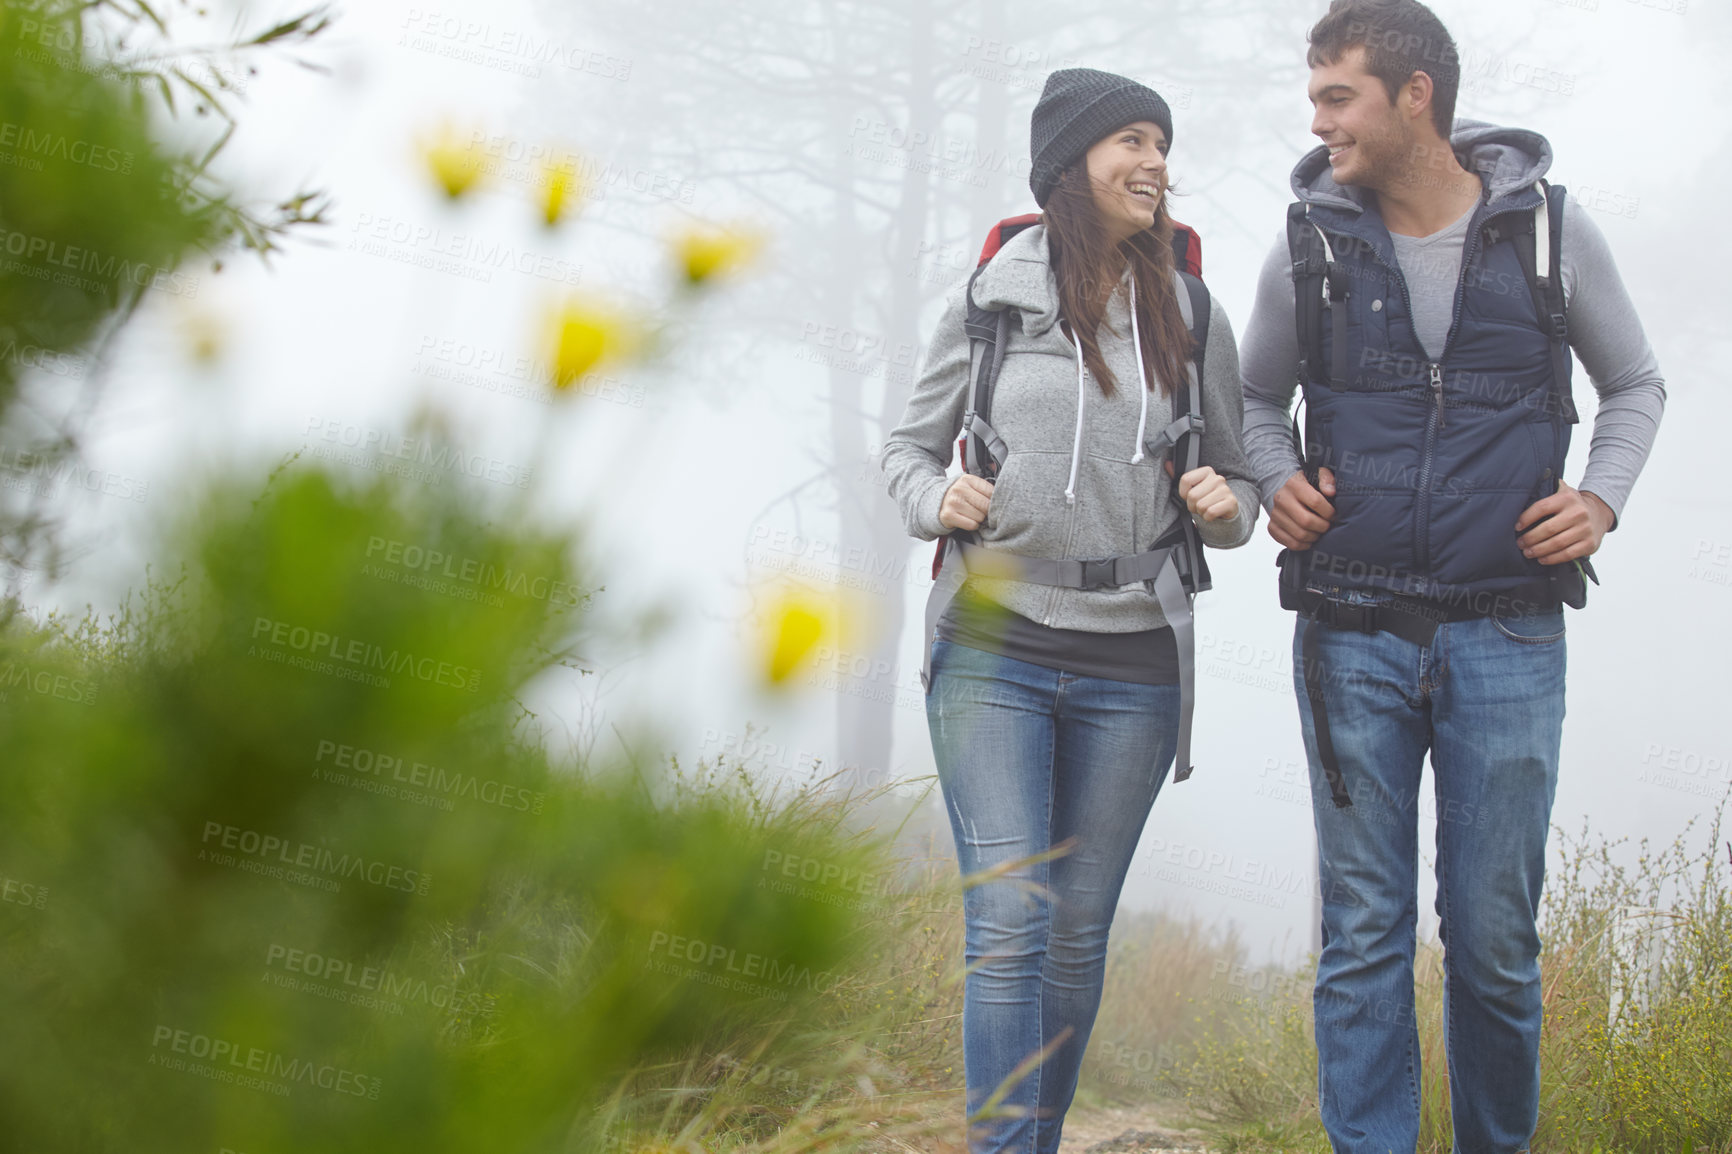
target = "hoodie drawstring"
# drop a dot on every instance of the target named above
(1142, 387)
(1142, 377)
(1076, 444)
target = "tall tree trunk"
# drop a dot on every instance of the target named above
(867, 521)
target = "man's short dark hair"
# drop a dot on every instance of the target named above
(1400, 37)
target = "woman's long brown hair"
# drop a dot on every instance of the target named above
(1081, 249)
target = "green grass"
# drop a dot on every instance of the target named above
(1618, 1073)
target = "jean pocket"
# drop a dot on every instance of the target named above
(1533, 628)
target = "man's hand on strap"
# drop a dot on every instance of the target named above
(1564, 526)
(1300, 513)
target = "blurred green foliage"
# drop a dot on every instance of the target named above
(284, 861)
(104, 200)
(257, 899)
(94, 211)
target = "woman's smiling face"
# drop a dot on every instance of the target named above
(1127, 172)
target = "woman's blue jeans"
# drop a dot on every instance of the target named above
(1029, 757)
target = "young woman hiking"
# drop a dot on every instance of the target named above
(1055, 711)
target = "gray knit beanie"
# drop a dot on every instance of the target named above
(1077, 107)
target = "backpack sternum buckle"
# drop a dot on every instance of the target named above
(1101, 573)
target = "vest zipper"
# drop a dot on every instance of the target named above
(1434, 419)
(1422, 499)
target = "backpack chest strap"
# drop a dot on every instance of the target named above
(1099, 573)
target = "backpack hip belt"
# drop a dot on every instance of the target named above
(1162, 569)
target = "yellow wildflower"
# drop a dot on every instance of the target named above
(560, 184)
(455, 163)
(705, 253)
(795, 625)
(583, 333)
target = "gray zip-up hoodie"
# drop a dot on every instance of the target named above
(1083, 477)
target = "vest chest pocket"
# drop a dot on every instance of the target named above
(1372, 363)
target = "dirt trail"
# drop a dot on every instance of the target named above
(1127, 1130)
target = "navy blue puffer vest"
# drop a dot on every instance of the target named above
(1435, 461)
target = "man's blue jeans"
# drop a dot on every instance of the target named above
(1027, 757)
(1486, 697)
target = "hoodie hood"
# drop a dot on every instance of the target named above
(1020, 276)
(1506, 160)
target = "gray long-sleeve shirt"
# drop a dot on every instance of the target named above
(1605, 333)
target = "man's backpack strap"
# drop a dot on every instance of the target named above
(1539, 249)
(1313, 264)
(1319, 285)
(1539, 244)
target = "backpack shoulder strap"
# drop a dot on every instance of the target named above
(1319, 285)
(1185, 435)
(1198, 292)
(987, 331)
(1188, 402)
(1539, 250)
(1179, 437)
(1553, 290)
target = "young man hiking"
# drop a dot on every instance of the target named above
(1426, 296)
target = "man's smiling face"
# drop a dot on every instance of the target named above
(1369, 138)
